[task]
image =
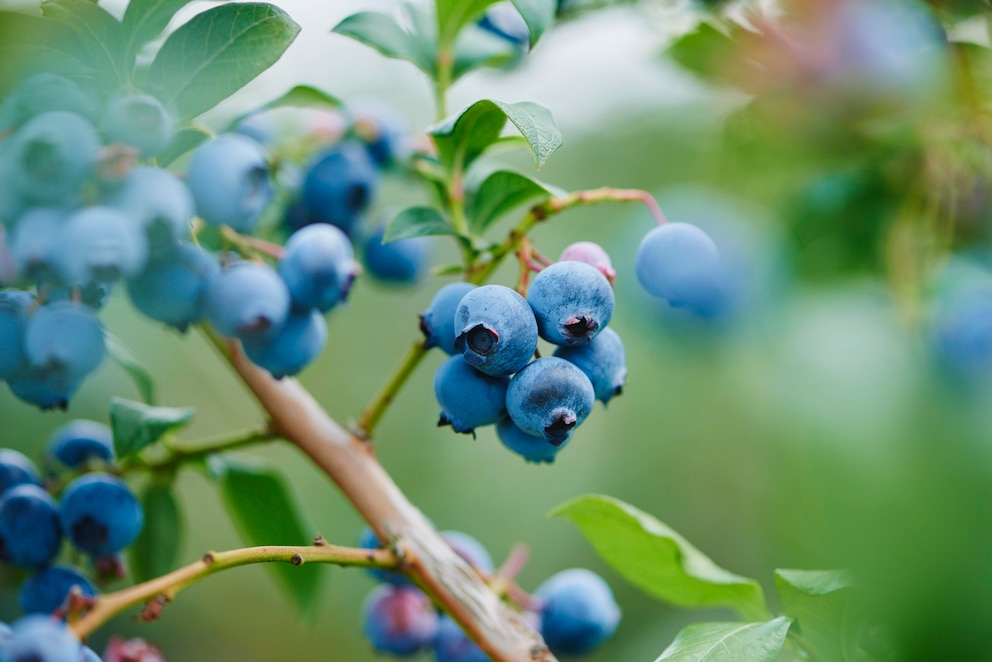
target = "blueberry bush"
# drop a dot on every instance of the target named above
(805, 300)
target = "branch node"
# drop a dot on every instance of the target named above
(208, 558)
(152, 609)
(319, 541)
(297, 559)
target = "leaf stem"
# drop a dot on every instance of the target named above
(380, 403)
(250, 246)
(179, 454)
(168, 586)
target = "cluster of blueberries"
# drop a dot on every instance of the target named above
(96, 512)
(574, 610)
(491, 333)
(78, 214)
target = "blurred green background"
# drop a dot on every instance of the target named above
(811, 432)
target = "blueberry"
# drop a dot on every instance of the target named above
(46, 591)
(77, 442)
(5, 632)
(229, 180)
(138, 120)
(66, 338)
(399, 620)
(495, 330)
(438, 322)
(592, 254)
(470, 549)
(258, 126)
(47, 388)
(53, 154)
(38, 638)
(579, 612)
(382, 132)
(87, 654)
(339, 185)
(453, 645)
(572, 302)
(468, 398)
(159, 202)
(16, 469)
(247, 300)
(604, 362)
(36, 240)
(531, 448)
(173, 291)
(30, 535)
(292, 347)
(100, 244)
(43, 93)
(318, 266)
(368, 540)
(504, 21)
(298, 215)
(679, 263)
(550, 398)
(93, 294)
(100, 514)
(13, 322)
(401, 262)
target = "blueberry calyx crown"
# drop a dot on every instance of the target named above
(480, 341)
(580, 329)
(558, 430)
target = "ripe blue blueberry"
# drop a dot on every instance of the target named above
(679, 263)
(93, 294)
(292, 347)
(592, 254)
(138, 120)
(159, 202)
(16, 469)
(173, 290)
(30, 534)
(453, 645)
(579, 612)
(47, 388)
(36, 241)
(99, 514)
(38, 638)
(77, 442)
(550, 398)
(5, 632)
(46, 591)
(368, 540)
(65, 338)
(532, 448)
(572, 302)
(382, 132)
(401, 262)
(318, 266)
(229, 180)
(495, 330)
(87, 654)
(53, 154)
(470, 549)
(247, 300)
(468, 398)
(438, 322)
(339, 185)
(100, 244)
(399, 620)
(13, 321)
(604, 362)
(504, 21)
(43, 93)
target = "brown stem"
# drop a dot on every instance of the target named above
(498, 630)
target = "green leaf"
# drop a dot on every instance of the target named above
(146, 19)
(218, 52)
(183, 140)
(31, 45)
(706, 52)
(304, 96)
(266, 512)
(138, 425)
(383, 33)
(501, 192)
(453, 14)
(659, 561)
(476, 48)
(132, 365)
(538, 15)
(156, 550)
(99, 38)
(416, 222)
(466, 135)
(821, 603)
(729, 642)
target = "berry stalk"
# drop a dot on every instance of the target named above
(168, 586)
